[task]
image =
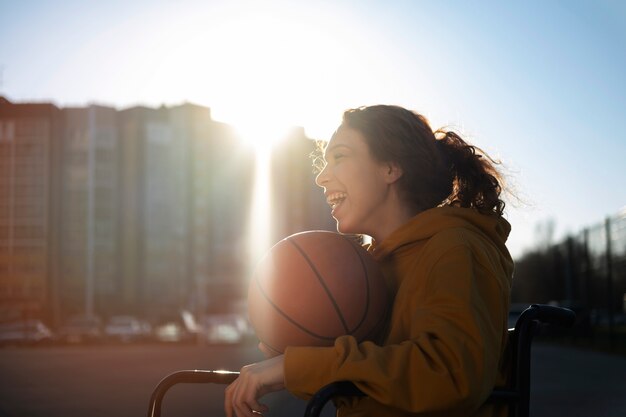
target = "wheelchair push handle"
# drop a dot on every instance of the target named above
(195, 376)
(558, 316)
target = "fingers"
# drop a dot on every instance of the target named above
(254, 381)
(228, 399)
(240, 399)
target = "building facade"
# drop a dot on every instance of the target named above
(141, 211)
(88, 276)
(30, 139)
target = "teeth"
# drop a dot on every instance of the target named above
(335, 198)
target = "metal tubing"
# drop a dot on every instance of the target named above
(186, 377)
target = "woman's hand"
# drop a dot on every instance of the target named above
(254, 381)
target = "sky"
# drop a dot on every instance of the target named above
(539, 85)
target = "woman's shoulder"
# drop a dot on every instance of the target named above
(457, 239)
(449, 238)
(469, 244)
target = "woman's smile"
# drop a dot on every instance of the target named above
(356, 186)
(334, 200)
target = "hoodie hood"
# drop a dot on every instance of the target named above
(430, 222)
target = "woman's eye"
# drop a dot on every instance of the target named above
(338, 156)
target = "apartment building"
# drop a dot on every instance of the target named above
(89, 281)
(142, 211)
(152, 210)
(30, 139)
(220, 180)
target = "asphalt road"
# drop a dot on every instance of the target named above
(118, 380)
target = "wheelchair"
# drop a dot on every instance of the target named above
(515, 394)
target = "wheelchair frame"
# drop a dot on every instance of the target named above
(516, 393)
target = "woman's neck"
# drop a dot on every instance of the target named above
(394, 217)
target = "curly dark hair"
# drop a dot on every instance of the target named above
(439, 168)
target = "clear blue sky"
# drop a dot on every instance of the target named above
(539, 84)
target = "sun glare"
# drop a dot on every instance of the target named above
(265, 73)
(262, 136)
(260, 209)
(258, 68)
(260, 133)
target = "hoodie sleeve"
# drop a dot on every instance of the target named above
(450, 358)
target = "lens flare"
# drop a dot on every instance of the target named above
(260, 209)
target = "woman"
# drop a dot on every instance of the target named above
(432, 205)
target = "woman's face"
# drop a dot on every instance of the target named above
(355, 184)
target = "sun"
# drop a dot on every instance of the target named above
(260, 133)
(264, 72)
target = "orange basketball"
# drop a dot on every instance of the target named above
(312, 287)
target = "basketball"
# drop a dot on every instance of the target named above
(313, 287)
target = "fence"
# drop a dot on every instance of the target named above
(586, 272)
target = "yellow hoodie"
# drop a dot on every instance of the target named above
(443, 351)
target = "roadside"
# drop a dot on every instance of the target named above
(576, 382)
(118, 380)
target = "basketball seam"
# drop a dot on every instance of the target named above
(367, 286)
(323, 284)
(289, 319)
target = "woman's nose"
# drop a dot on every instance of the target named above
(322, 177)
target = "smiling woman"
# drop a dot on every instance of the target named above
(421, 195)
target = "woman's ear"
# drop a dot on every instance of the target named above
(393, 172)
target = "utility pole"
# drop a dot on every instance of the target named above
(609, 281)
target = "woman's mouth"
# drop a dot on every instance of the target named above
(335, 199)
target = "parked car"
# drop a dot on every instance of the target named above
(127, 329)
(81, 329)
(177, 328)
(25, 332)
(226, 329)
(172, 332)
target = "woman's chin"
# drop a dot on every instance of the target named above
(345, 228)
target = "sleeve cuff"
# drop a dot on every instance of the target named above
(307, 369)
